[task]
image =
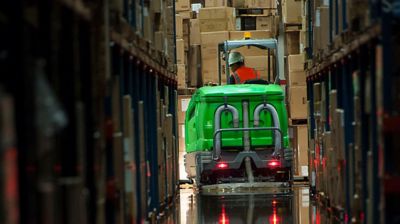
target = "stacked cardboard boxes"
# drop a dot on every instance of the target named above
(261, 25)
(183, 27)
(198, 35)
(293, 18)
(299, 141)
(297, 91)
(321, 32)
(215, 24)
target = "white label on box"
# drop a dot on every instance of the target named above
(145, 11)
(184, 104)
(317, 18)
(196, 7)
(304, 171)
(325, 2)
(305, 191)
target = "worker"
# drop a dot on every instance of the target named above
(240, 73)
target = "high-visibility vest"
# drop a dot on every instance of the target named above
(244, 73)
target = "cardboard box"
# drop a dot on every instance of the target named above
(296, 62)
(181, 72)
(180, 51)
(217, 3)
(212, 25)
(183, 102)
(246, 23)
(298, 102)
(179, 26)
(265, 23)
(195, 31)
(254, 4)
(241, 3)
(301, 206)
(297, 78)
(260, 64)
(209, 55)
(216, 13)
(255, 23)
(210, 71)
(182, 5)
(292, 42)
(186, 14)
(217, 19)
(270, 4)
(300, 150)
(212, 39)
(321, 30)
(291, 11)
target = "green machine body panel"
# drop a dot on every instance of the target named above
(200, 115)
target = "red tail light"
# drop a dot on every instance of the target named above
(274, 219)
(222, 165)
(223, 218)
(274, 163)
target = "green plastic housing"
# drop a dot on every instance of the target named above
(199, 120)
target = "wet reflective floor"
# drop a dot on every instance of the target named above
(296, 207)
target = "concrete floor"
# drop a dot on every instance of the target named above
(193, 208)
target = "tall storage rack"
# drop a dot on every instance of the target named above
(354, 109)
(94, 136)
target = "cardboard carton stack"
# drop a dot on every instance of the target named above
(321, 31)
(292, 19)
(297, 91)
(199, 33)
(228, 20)
(153, 28)
(183, 15)
(293, 16)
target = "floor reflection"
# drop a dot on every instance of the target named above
(248, 209)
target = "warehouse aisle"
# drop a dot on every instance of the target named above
(293, 208)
